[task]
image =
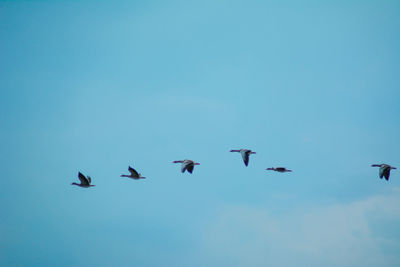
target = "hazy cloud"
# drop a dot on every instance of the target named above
(327, 235)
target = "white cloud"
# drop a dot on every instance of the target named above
(353, 234)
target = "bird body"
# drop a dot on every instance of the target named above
(187, 165)
(134, 174)
(279, 169)
(85, 181)
(245, 154)
(384, 170)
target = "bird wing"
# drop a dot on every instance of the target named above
(133, 172)
(83, 179)
(190, 168)
(186, 164)
(245, 156)
(183, 167)
(384, 172)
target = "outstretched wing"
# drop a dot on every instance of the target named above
(183, 168)
(384, 172)
(133, 172)
(83, 179)
(190, 168)
(245, 156)
(186, 165)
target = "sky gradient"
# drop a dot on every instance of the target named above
(96, 86)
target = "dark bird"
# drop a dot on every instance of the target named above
(187, 164)
(134, 174)
(384, 170)
(85, 181)
(279, 169)
(245, 154)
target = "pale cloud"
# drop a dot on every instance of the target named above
(352, 234)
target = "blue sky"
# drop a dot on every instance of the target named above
(97, 86)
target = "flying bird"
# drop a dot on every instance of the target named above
(384, 170)
(245, 154)
(134, 174)
(187, 164)
(85, 181)
(279, 169)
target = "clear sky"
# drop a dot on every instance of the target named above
(95, 86)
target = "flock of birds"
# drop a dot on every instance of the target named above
(188, 165)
